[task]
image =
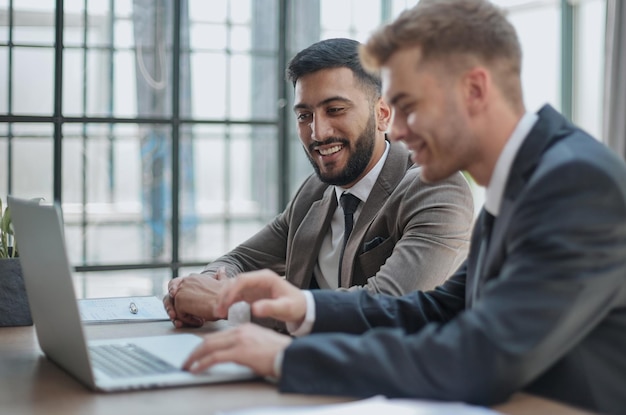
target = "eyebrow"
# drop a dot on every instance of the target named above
(323, 102)
(393, 101)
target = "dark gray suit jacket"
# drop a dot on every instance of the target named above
(409, 235)
(549, 314)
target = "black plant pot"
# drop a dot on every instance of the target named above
(14, 309)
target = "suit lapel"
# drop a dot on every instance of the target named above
(390, 176)
(550, 128)
(308, 238)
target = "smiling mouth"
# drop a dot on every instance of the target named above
(330, 150)
(418, 147)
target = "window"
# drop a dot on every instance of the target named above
(164, 127)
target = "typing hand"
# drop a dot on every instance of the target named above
(249, 345)
(268, 294)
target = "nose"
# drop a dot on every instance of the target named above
(321, 128)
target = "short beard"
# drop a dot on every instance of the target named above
(359, 158)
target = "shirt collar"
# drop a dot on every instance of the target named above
(363, 187)
(495, 189)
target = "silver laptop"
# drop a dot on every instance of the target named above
(104, 365)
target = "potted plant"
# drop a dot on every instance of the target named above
(14, 310)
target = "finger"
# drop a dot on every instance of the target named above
(230, 294)
(168, 304)
(219, 313)
(248, 287)
(210, 344)
(188, 320)
(172, 286)
(220, 356)
(282, 309)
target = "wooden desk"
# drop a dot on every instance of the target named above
(30, 384)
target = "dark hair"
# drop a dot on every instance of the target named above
(332, 53)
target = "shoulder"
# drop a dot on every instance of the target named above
(582, 161)
(578, 184)
(311, 190)
(456, 184)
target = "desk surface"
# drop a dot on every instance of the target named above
(31, 384)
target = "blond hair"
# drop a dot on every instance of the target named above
(458, 33)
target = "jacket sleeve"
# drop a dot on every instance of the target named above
(563, 275)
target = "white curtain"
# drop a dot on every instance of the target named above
(614, 119)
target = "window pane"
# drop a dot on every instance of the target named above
(208, 92)
(33, 22)
(240, 11)
(541, 51)
(32, 158)
(398, 6)
(4, 81)
(589, 79)
(203, 206)
(99, 24)
(240, 38)
(4, 162)
(118, 283)
(124, 37)
(33, 77)
(130, 101)
(4, 22)
(333, 14)
(106, 160)
(263, 96)
(99, 88)
(117, 184)
(208, 37)
(123, 8)
(73, 84)
(73, 23)
(240, 75)
(147, 69)
(228, 203)
(366, 15)
(208, 11)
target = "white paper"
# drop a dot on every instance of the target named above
(373, 406)
(119, 309)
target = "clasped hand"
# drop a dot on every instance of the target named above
(190, 300)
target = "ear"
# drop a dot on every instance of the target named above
(383, 115)
(477, 86)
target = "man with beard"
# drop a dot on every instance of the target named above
(407, 234)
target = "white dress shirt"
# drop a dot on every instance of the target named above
(500, 175)
(328, 258)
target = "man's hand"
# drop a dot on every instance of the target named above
(268, 294)
(249, 345)
(190, 300)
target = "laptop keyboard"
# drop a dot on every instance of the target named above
(127, 360)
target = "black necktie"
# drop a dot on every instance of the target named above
(348, 203)
(487, 220)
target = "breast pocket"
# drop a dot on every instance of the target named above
(376, 253)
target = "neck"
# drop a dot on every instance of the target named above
(492, 135)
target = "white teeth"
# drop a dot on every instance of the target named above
(328, 151)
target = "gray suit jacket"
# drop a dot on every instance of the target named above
(409, 235)
(547, 315)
